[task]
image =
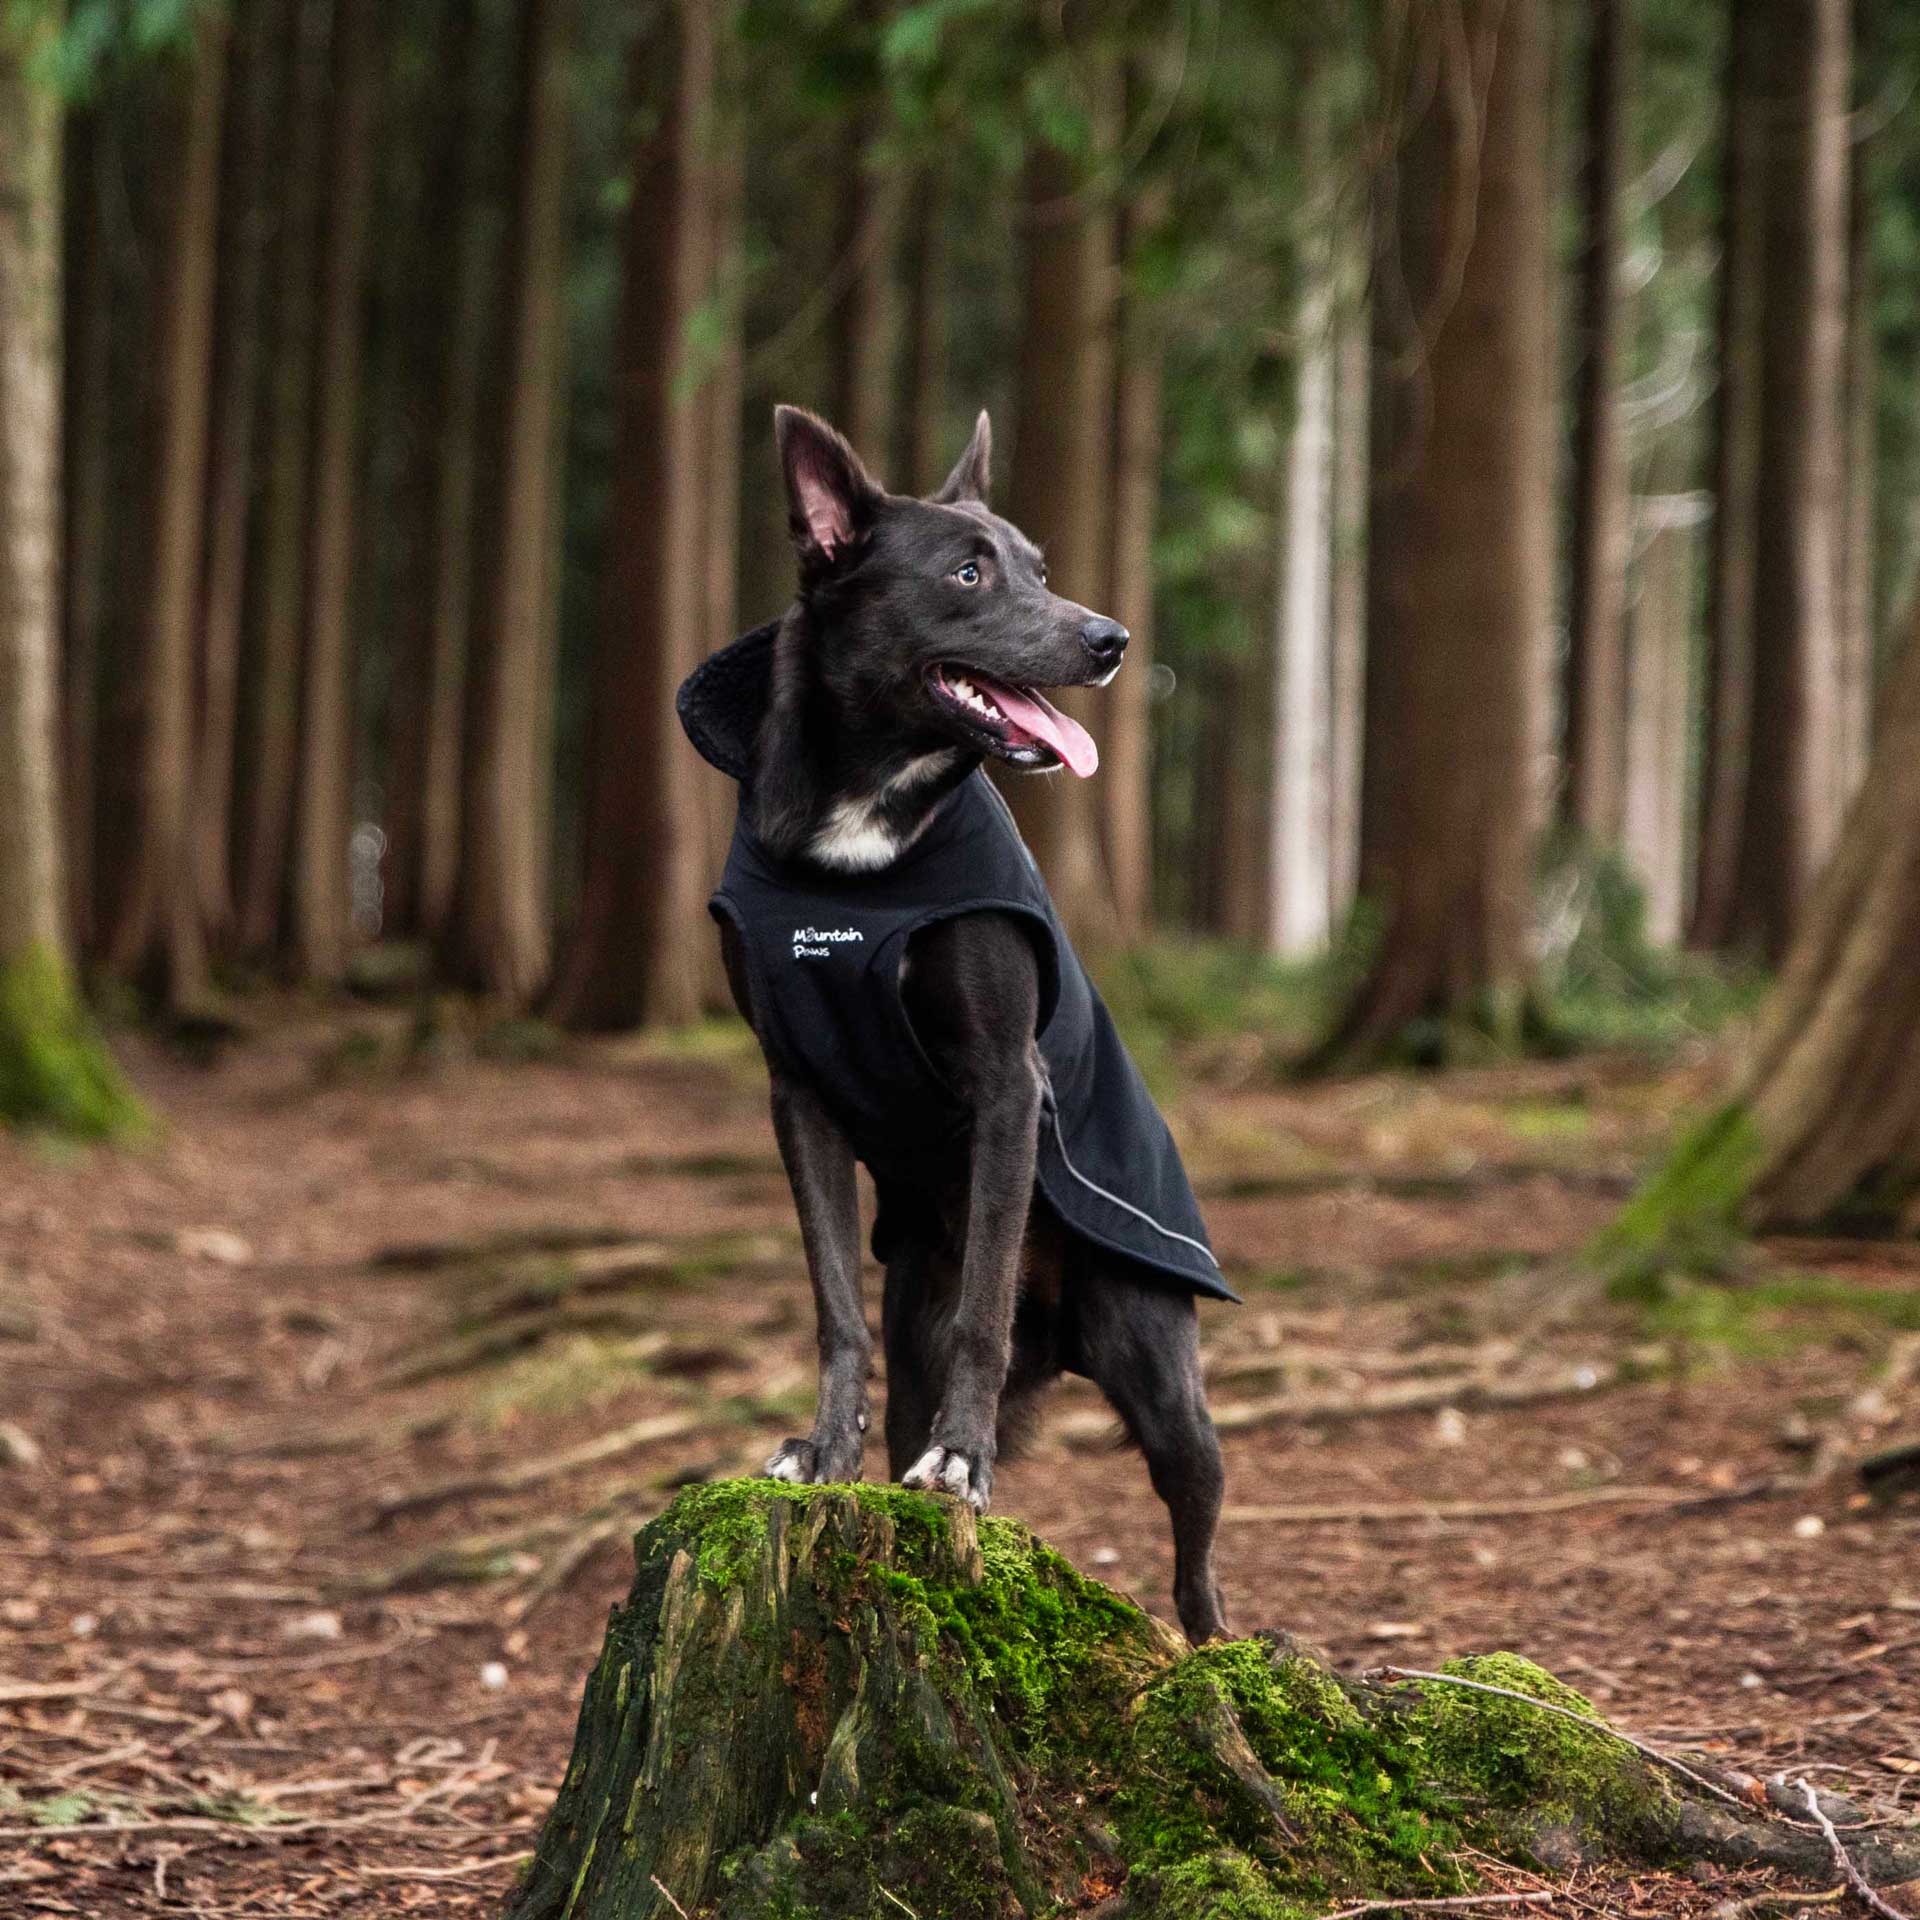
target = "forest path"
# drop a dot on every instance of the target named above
(295, 1591)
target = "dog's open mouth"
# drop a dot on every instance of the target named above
(1018, 723)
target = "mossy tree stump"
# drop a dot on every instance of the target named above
(859, 1703)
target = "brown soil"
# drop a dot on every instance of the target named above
(232, 1683)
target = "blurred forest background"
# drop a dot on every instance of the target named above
(1498, 422)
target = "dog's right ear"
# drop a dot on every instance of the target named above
(968, 480)
(830, 496)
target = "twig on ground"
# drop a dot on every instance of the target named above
(1580, 1720)
(1842, 1859)
(1452, 1903)
(12, 1691)
(1665, 1499)
(454, 1870)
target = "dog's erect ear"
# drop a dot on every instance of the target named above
(830, 495)
(968, 480)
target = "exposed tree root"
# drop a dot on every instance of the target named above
(863, 1702)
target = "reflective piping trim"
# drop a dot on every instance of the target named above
(1126, 1206)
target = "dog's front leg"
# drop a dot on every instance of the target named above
(819, 1165)
(1006, 1132)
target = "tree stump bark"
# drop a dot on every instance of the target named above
(859, 1703)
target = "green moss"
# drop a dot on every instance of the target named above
(1499, 1758)
(55, 1073)
(1686, 1217)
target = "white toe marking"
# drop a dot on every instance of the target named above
(924, 1470)
(783, 1466)
(956, 1475)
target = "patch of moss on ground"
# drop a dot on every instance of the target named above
(1776, 1314)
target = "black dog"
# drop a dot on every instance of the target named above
(888, 937)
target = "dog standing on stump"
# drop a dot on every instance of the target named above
(889, 939)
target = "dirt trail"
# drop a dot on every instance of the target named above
(309, 1514)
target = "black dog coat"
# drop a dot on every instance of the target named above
(824, 950)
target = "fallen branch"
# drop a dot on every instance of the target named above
(1469, 1392)
(517, 1478)
(1843, 1860)
(1665, 1499)
(1579, 1720)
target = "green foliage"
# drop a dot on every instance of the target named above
(55, 1072)
(95, 35)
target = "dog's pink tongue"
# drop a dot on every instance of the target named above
(1041, 718)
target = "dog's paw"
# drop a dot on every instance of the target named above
(947, 1470)
(812, 1463)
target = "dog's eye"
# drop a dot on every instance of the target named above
(968, 575)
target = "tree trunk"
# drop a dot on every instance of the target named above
(1347, 612)
(1793, 789)
(863, 1702)
(920, 460)
(634, 955)
(428, 715)
(1858, 422)
(1653, 815)
(860, 325)
(53, 1070)
(1597, 640)
(271, 738)
(1459, 561)
(1126, 746)
(243, 230)
(1824, 1124)
(1301, 853)
(501, 931)
(322, 902)
(1735, 458)
(1057, 492)
(720, 431)
(88, 466)
(158, 936)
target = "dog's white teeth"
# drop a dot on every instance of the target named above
(970, 695)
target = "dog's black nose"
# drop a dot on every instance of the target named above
(1105, 640)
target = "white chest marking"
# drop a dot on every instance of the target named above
(856, 838)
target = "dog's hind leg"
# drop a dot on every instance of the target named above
(1141, 1345)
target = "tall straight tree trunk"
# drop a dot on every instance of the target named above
(1459, 562)
(272, 734)
(1597, 639)
(1061, 452)
(860, 325)
(1793, 786)
(501, 930)
(244, 216)
(53, 1071)
(1653, 813)
(721, 401)
(322, 904)
(634, 955)
(1735, 467)
(1347, 611)
(1302, 895)
(1859, 406)
(919, 458)
(428, 713)
(88, 466)
(1126, 749)
(158, 933)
